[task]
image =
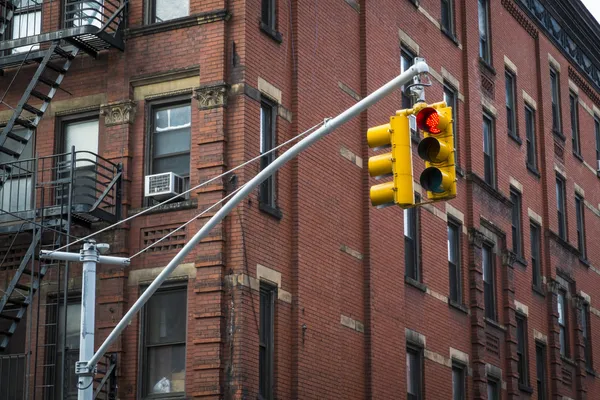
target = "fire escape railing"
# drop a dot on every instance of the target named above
(96, 187)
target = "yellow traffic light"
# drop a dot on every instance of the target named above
(437, 149)
(397, 162)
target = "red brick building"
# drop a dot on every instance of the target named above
(305, 291)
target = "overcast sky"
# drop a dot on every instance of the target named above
(594, 7)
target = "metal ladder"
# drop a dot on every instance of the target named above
(42, 87)
(7, 11)
(13, 308)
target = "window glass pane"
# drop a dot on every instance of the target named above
(561, 302)
(458, 384)
(171, 141)
(179, 165)
(165, 369)
(84, 136)
(166, 317)
(266, 133)
(26, 24)
(73, 325)
(452, 244)
(171, 9)
(487, 268)
(408, 223)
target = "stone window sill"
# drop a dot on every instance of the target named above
(272, 33)
(269, 209)
(416, 284)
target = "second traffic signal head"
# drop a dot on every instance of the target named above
(437, 149)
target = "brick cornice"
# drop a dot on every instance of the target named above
(179, 23)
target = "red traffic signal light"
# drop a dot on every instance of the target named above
(430, 121)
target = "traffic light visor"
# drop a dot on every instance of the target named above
(431, 121)
(433, 150)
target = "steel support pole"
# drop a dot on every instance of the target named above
(85, 381)
(328, 126)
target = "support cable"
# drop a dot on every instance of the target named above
(195, 187)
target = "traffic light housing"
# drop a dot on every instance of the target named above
(397, 162)
(437, 149)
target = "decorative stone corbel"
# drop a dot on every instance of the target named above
(508, 258)
(476, 237)
(118, 113)
(211, 96)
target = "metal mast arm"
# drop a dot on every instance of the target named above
(329, 126)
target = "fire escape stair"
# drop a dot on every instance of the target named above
(19, 293)
(42, 88)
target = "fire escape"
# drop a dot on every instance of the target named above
(46, 198)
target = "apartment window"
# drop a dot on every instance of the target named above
(164, 326)
(574, 104)
(170, 139)
(488, 151)
(411, 242)
(165, 10)
(560, 207)
(450, 97)
(493, 388)
(267, 341)
(454, 230)
(517, 233)
(489, 282)
(27, 21)
(540, 367)
(511, 111)
(534, 230)
(522, 351)
(585, 327)
(268, 14)
(555, 97)
(563, 322)
(597, 133)
(268, 138)
(448, 17)
(16, 194)
(484, 31)
(414, 373)
(530, 137)
(579, 213)
(458, 382)
(407, 59)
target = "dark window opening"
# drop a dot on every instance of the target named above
(447, 14)
(165, 10)
(535, 255)
(555, 97)
(517, 233)
(574, 103)
(268, 138)
(268, 15)
(587, 338)
(484, 31)
(489, 157)
(458, 382)
(266, 341)
(530, 137)
(407, 59)
(454, 264)
(563, 323)
(411, 242)
(580, 216)
(450, 97)
(511, 111)
(489, 282)
(414, 373)
(493, 388)
(540, 367)
(522, 351)
(560, 207)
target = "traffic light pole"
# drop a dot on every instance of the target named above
(329, 125)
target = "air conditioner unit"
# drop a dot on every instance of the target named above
(163, 186)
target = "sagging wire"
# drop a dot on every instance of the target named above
(195, 187)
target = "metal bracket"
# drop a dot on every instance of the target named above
(82, 368)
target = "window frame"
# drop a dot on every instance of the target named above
(536, 266)
(267, 306)
(540, 361)
(417, 352)
(575, 132)
(530, 139)
(516, 222)
(522, 350)
(580, 222)
(458, 297)
(555, 101)
(451, 92)
(416, 273)
(142, 352)
(152, 108)
(447, 24)
(496, 382)
(268, 15)
(9, 34)
(490, 300)
(511, 103)
(485, 45)
(587, 336)
(563, 326)
(489, 164)
(150, 13)
(407, 60)
(561, 207)
(597, 134)
(460, 369)
(267, 193)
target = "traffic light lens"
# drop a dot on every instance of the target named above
(432, 122)
(432, 179)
